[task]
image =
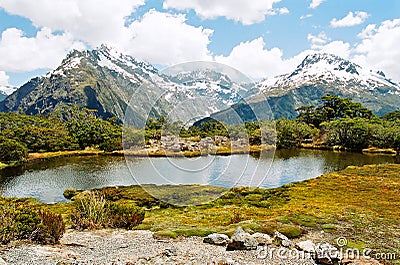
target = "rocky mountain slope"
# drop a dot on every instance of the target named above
(100, 79)
(106, 80)
(320, 74)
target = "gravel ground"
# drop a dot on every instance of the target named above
(133, 247)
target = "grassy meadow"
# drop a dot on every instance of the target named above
(361, 204)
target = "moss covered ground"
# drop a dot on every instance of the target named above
(361, 204)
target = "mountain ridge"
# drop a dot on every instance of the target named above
(109, 81)
(321, 73)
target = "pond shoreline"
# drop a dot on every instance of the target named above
(253, 149)
(289, 208)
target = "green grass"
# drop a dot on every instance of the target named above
(361, 204)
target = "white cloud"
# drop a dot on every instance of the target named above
(45, 50)
(352, 19)
(322, 43)
(254, 60)
(306, 16)
(246, 12)
(92, 21)
(166, 39)
(339, 48)
(4, 79)
(368, 31)
(316, 3)
(160, 38)
(283, 11)
(379, 48)
(320, 39)
(5, 86)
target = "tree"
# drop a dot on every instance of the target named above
(90, 131)
(332, 107)
(350, 133)
(11, 150)
(290, 133)
(392, 116)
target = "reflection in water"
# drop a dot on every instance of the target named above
(47, 180)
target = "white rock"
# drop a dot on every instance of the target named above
(241, 240)
(216, 239)
(262, 239)
(306, 246)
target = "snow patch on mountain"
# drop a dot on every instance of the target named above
(328, 69)
(124, 64)
(7, 90)
(72, 61)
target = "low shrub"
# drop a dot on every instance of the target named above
(51, 228)
(19, 221)
(125, 216)
(291, 231)
(16, 222)
(165, 234)
(236, 217)
(93, 211)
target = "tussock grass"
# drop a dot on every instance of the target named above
(359, 203)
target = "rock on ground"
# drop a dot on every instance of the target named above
(115, 247)
(216, 239)
(123, 247)
(242, 240)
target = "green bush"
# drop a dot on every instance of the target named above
(11, 150)
(93, 211)
(291, 133)
(125, 216)
(17, 222)
(20, 221)
(350, 133)
(51, 228)
(111, 144)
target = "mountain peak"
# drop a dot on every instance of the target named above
(322, 73)
(329, 70)
(316, 57)
(207, 74)
(329, 62)
(113, 59)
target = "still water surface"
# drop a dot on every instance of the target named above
(47, 180)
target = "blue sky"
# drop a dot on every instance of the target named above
(261, 38)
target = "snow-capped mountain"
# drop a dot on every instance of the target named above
(325, 69)
(109, 81)
(322, 73)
